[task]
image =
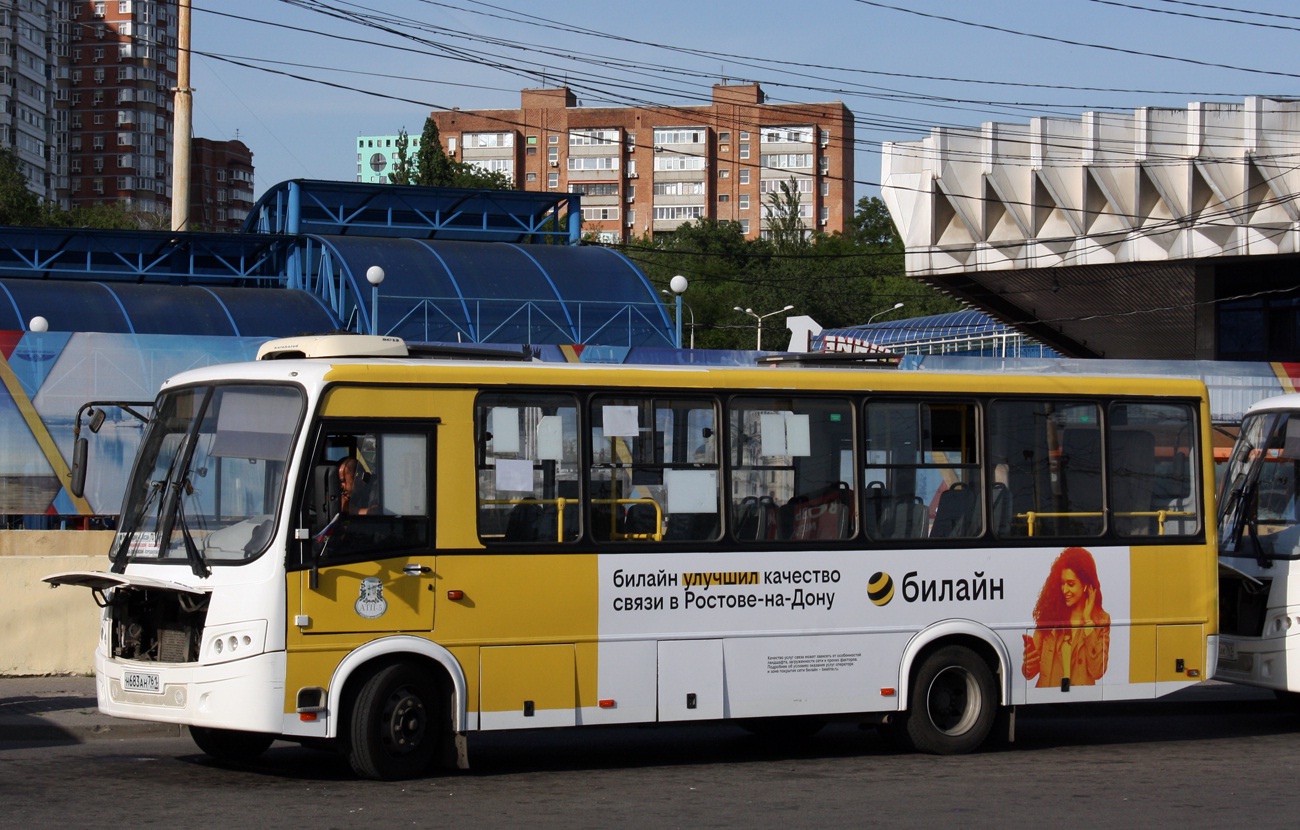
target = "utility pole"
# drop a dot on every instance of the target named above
(182, 127)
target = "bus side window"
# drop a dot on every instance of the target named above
(1150, 458)
(527, 467)
(792, 468)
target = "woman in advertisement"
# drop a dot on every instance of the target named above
(1072, 640)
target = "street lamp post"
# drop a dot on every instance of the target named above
(374, 276)
(678, 284)
(680, 304)
(894, 307)
(760, 318)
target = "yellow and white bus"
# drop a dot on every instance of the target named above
(387, 554)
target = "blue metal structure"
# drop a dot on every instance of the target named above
(461, 266)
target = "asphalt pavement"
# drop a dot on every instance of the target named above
(62, 708)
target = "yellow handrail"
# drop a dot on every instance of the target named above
(560, 503)
(1160, 515)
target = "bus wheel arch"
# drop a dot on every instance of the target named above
(956, 684)
(407, 689)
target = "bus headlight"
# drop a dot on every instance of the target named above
(223, 643)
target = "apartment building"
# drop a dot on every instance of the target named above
(221, 184)
(34, 91)
(647, 170)
(377, 156)
(123, 70)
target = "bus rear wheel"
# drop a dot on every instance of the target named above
(230, 744)
(394, 729)
(954, 703)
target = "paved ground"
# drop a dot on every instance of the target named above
(62, 708)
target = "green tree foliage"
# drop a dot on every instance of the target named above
(432, 167)
(404, 169)
(839, 279)
(18, 205)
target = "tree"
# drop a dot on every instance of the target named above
(432, 167)
(404, 169)
(18, 205)
(784, 225)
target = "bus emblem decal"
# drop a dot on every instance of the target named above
(371, 604)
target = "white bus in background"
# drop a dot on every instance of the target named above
(1259, 550)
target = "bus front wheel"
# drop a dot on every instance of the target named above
(230, 744)
(954, 703)
(394, 726)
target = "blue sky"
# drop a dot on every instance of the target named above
(901, 66)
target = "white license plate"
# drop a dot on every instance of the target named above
(1227, 651)
(141, 681)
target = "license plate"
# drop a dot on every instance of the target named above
(1227, 651)
(140, 681)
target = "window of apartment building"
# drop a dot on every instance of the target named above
(532, 151)
(553, 180)
(97, 142)
(825, 188)
(826, 137)
(98, 118)
(723, 197)
(76, 76)
(124, 6)
(631, 168)
(744, 226)
(672, 212)
(76, 98)
(76, 122)
(75, 165)
(485, 140)
(600, 214)
(744, 135)
(724, 136)
(786, 161)
(98, 164)
(788, 135)
(75, 142)
(631, 218)
(804, 185)
(76, 53)
(98, 54)
(123, 183)
(593, 162)
(679, 188)
(587, 138)
(744, 150)
(124, 51)
(594, 188)
(221, 175)
(123, 139)
(553, 155)
(724, 172)
(126, 160)
(824, 164)
(99, 75)
(552, 139)
(99, 8)
(530, 177)
(631, 192)
(824, 214)
(670, 162)
(98, 97)
(744, 176)
(679, 135)
(744, 201)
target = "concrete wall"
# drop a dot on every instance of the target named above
(45, 630)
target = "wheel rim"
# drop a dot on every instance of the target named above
(405, 721)
(953, 701)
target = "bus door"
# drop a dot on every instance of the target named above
(366, 532)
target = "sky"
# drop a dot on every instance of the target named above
(298, 80)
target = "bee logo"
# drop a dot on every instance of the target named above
(880, 588)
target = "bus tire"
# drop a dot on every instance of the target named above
(394, 729)
(230, 744)
(954, 703)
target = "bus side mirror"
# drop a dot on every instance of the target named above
(325, 495)
(78, 484)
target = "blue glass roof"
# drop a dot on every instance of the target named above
(135, 308)
(912, 329)
(453, 291)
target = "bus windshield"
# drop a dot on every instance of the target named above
(209, 477)
(1258, 514)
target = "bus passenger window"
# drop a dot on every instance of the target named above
(922, 470)
(527, 457)
(654, 474)
(792, 469)
(1150, 459)
(1047, 461)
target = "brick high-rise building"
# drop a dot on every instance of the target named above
(221, 184)
(646, 170)
(123, 70)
